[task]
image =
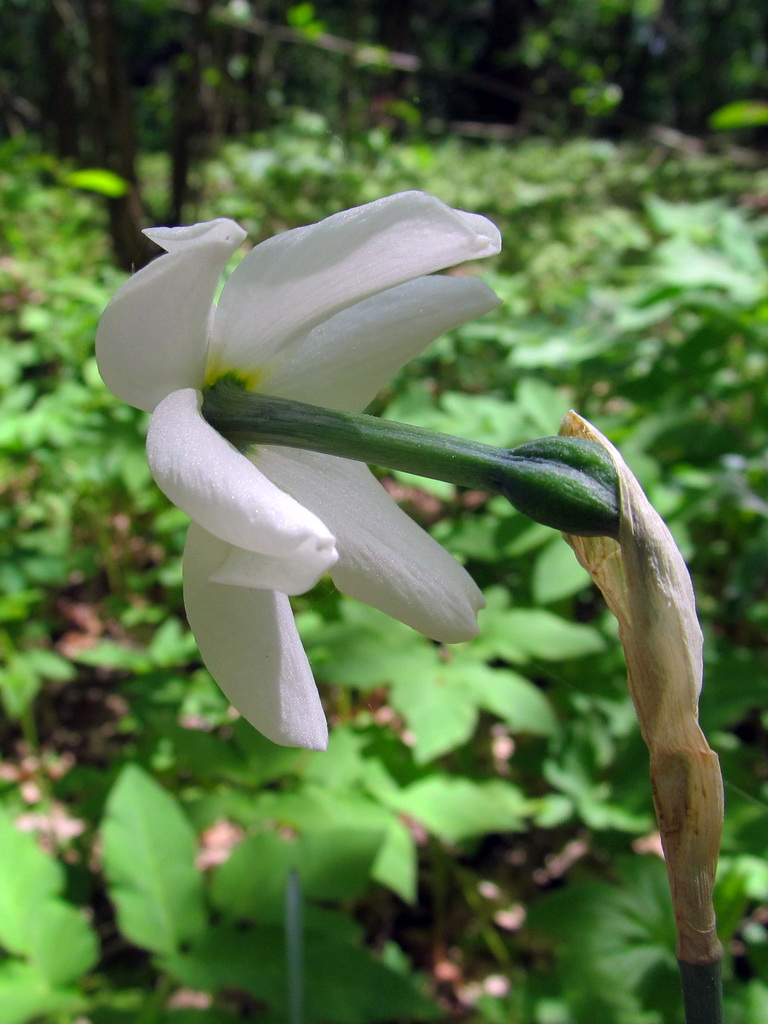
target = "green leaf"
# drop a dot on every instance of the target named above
(24, 674)
(100, 180)
(440, 706)
(517, 635)
(437, 708)
(316, 807)
(688, 267)
(756, 1003)
(25, 995)
(34, 923)
(742, 114)
(332, 864)
(149, 858)
(516, 700)
(28, 881)
(615, 940)
(368, 648)
(456, 808)
(20, 683)
(344, 982)
(544, 405)
(62, 945)
(557, 574)
(574, 776)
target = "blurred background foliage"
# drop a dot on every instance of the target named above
(478, 843)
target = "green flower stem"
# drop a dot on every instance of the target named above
(567, 483)
(702, 992)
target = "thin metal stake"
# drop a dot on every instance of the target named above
(294, 947)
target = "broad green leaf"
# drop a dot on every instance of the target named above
(332, 864)
(127, 1006)
(483, 536)
(756, 1003)
(315, 807)
(62, 945)
(187, 1016)
(367, 648)
(741, 114)
(28, 881)
(344, 982)
(171, 645)
(20, 683)
(516, 700)
(440, 706)
(557, 574)
(740, 242)
(98, 179)
(455, 808)
(337, 864)
(149, 859)
(616, 940)
(520, 634)
(438, 709)
(541, 344)
(485, 418)
(741, 880)
(24, 674)
(26, 995)
(592, 799)
(396, 866)
(343, 765)
(689, 267)
(544, 405)
(693, 221)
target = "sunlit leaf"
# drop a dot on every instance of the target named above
(98, 179)
(742, 114)
(457, 808)
(28, 880)
(149, 858)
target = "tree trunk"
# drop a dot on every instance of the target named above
(113, 132)
(58, 53)
(500, 63)
(188, 121)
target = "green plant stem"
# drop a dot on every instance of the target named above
(155, 1003)
(702, 992)
(567, 483)
(29, 729)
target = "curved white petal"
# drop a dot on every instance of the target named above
(223, 491)
(153, 336)
(292, 282)
(385, 559)
(292, 574)
(248, 641)
(346, 361)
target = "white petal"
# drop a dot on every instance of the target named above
(346, 361)
(248, 641)
(292, 282)
(292, 574)
(385, 559)
(223, 491)
(153, 336)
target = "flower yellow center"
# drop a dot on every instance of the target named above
(248, 380)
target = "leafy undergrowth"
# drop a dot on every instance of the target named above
(478, 842)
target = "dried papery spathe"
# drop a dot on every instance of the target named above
(646, 585)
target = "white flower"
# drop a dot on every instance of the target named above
(322, 314)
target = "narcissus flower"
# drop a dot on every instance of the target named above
(321, 314)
